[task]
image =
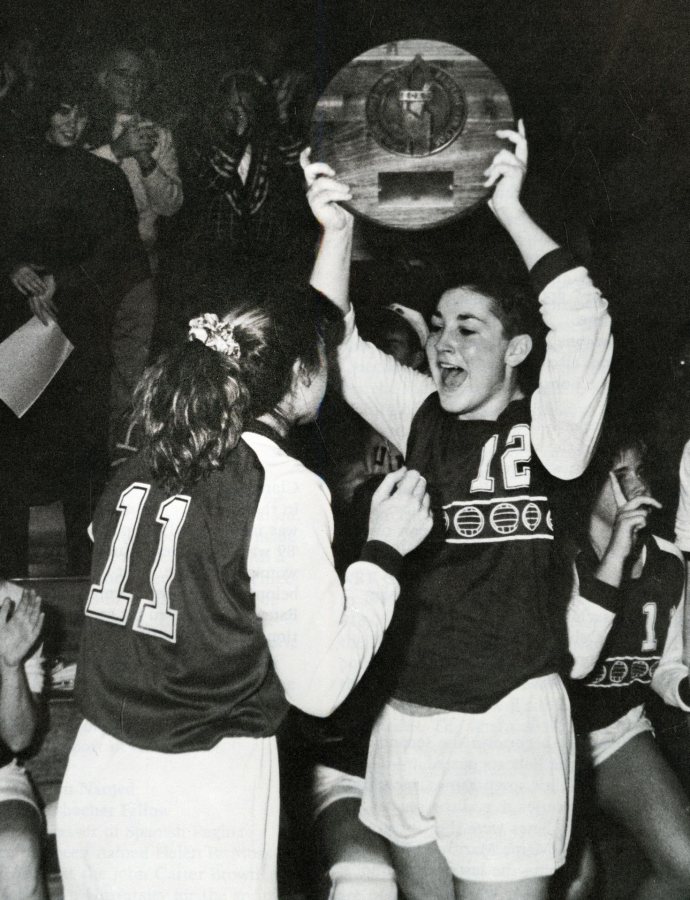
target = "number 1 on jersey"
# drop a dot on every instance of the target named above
(155, 617)
(108, 600)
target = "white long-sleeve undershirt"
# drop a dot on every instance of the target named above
(321, 636)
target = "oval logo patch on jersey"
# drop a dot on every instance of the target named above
(483, 521)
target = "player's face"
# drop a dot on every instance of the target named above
(628, 469)
(124, 80)
(467, 351)
(67, 125)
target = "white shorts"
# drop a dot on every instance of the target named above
(493, 790)
(169, 826)
(330, 785)
(15, 785)
(605, 741)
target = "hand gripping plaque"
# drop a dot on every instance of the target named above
(410, 126)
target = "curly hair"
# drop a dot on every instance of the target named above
(192, 405)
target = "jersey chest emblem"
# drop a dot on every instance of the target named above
(502, 467)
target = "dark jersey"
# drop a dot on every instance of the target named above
(173, 656)
(622, 675)
(477, 617)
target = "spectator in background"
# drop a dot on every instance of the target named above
(241, 179)
(69, 250)
(145, 152)
(21, 677)
(293, 88)
(19, 74)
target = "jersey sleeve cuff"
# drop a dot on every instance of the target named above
(384, 556)
(605, 595)
(549, 267)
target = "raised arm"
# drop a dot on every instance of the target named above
(331, 273)
(321, 635)
(506, 175)
(568, 407)
(385, 393)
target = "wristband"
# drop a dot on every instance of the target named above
(549, 267)
(382, 555)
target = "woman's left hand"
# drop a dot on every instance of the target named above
(325, 194)
(507, 172)
(19, 633)
(41, 304)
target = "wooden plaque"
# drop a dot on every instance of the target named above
(410, 126)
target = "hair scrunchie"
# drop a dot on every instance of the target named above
(215, 334)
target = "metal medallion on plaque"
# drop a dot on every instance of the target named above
(410, 126)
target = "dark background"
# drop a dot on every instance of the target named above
(602, 84)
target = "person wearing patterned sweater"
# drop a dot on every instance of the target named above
(468, 813)
(626, 638)
(240, 166)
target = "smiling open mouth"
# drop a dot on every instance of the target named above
(451, 376)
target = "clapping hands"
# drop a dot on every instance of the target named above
(20, 630)
(137, 137)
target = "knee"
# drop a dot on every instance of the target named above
(20, 865)
(362, 881)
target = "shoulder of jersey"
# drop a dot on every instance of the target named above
(668, 547)
(294, 477)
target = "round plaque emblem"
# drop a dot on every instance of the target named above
(411, 126)
(416, 110)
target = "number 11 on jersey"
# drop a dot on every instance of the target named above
(109, 600)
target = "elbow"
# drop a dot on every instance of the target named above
(320, 707)
(19, 739)
(17, 745)
(567, 470)
(579, 671)
(315, 701)
(567, 461)
(581, 666)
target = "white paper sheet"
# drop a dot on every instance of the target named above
(29, 360)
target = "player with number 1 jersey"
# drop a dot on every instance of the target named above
(625, 629)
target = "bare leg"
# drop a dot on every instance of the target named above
(358, 860)
(637, 786)
(20, 852)
(525, 889)
(423, 873)
(346, 839)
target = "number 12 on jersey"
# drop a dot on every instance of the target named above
(108, 600)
